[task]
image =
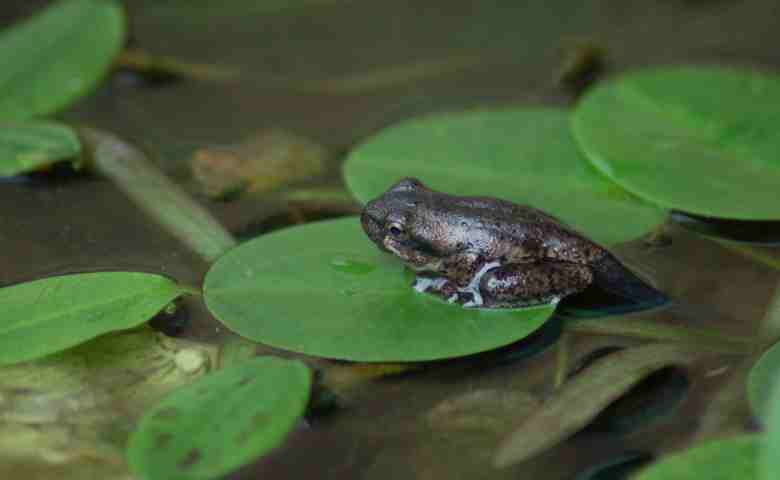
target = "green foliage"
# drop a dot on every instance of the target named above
(724, 459)
(701, 140)
(55, 57)
(324, 289)
(769, 463)
(762, 380)
(28, 146)
(523, 155)
(45, 316)
(222, 421)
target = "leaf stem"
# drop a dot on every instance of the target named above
(170, 205)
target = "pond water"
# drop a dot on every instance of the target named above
(336, 71)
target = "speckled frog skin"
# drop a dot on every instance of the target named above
(481, 251)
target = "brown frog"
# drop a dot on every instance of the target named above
(486, 252)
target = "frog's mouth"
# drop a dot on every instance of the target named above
(414, 254)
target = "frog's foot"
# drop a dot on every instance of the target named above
(424, 284)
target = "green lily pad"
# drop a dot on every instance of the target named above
(45, 316)
(57, 56)
(696, 139)
(770, 453)
(220, 422)
(725, 459)
(324, 289)
(523, 155)
(761, 381)
(25, 147)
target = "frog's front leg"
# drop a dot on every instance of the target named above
(456, 279)
(522, 284)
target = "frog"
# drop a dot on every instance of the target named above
(486, 252)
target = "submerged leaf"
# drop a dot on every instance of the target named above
(29, 146)
(523, 155)
(591, 391)
(68, 415)
(725, 459)
(132, 171)
(324, 289)
(702, 339)
(688, 138)
(57, 56)
(221, 422)
(45, 316)
(264, 162)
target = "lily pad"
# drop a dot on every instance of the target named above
(45, 316)
(523, 155)
(57, 56)
(770, 453)
(28, 146)
(724, 459)
(324, 289)
(762, 380)
(220, 422)
(693, 139)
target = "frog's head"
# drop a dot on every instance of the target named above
(394, 223)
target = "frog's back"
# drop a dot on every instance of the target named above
(530, 229)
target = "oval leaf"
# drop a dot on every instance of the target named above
(25, 147)
(525, 156)
(726, 459)
(57, 56)
(762, 380)
(220, 422)
(688, 138)
(45, 316)
(770, 453)
(324, 289)
(591, 391)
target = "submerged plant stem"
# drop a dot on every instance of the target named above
(639, 328)
(752, 252)
(149, 64)
(130, 169)
(191, 290)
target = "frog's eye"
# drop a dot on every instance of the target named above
(395, 230)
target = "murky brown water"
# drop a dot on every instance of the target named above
(337, 71)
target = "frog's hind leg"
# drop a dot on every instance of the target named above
(616, 279)
(522, 284)
(435, 285)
